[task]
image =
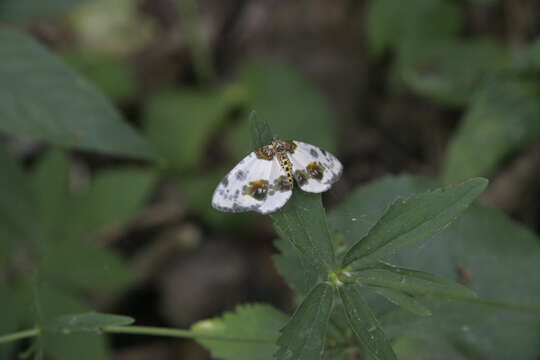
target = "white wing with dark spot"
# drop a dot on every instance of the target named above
(315, 170)
(249, 186)
(279, 192)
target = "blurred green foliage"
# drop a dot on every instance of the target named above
(50, 262)
(482, 75)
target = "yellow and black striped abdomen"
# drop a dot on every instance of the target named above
(286, 165)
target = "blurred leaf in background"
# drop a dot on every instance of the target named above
(179, 124)
(412, 29)
(502, 118)
(455, 72)
(41, 98)
(294, 108)
(112, 27)
(63, 265)
(115, 77)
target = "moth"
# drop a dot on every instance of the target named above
(263, 181)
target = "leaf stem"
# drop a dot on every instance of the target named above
(158, 331)
(20, 335)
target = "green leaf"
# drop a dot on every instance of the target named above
(364, 324)
(455, 72)
(413, 28)
(112, 198)
(413, 282)
(400, 299)
(294, 107)
(366, 205)
(86, 322)
(304, 336)
(476, 244)
(19, 219)
(42, 99)
(179, 124)
(50, 179)
(413, 220)
(302, 221)
(26, 10)
(50, 304)
(92, 269)
(299, 272)
(252, 329)
(115, 77)
(502, 119)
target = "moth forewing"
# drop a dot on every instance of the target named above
(251, 186)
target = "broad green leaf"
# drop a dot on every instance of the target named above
(115, 77)
(401, 299)
(366, 204)
(42, 99)
(502, 118)
(304, 336)
(477, 243)
(294, 107)
(111, 199)
(18, 216)
(454, 73)
(252, 330)
(179, 124)
(413, 282)
(112, 27)
(27, 10)
(299, 272)
(413, 220)
(364, 324)
(86, 322)
(302, 221)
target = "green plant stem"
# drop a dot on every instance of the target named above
(157, 331)
(20, 335)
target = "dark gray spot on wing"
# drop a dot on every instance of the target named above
(241, 175)
(314, 153)
(225, 181)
